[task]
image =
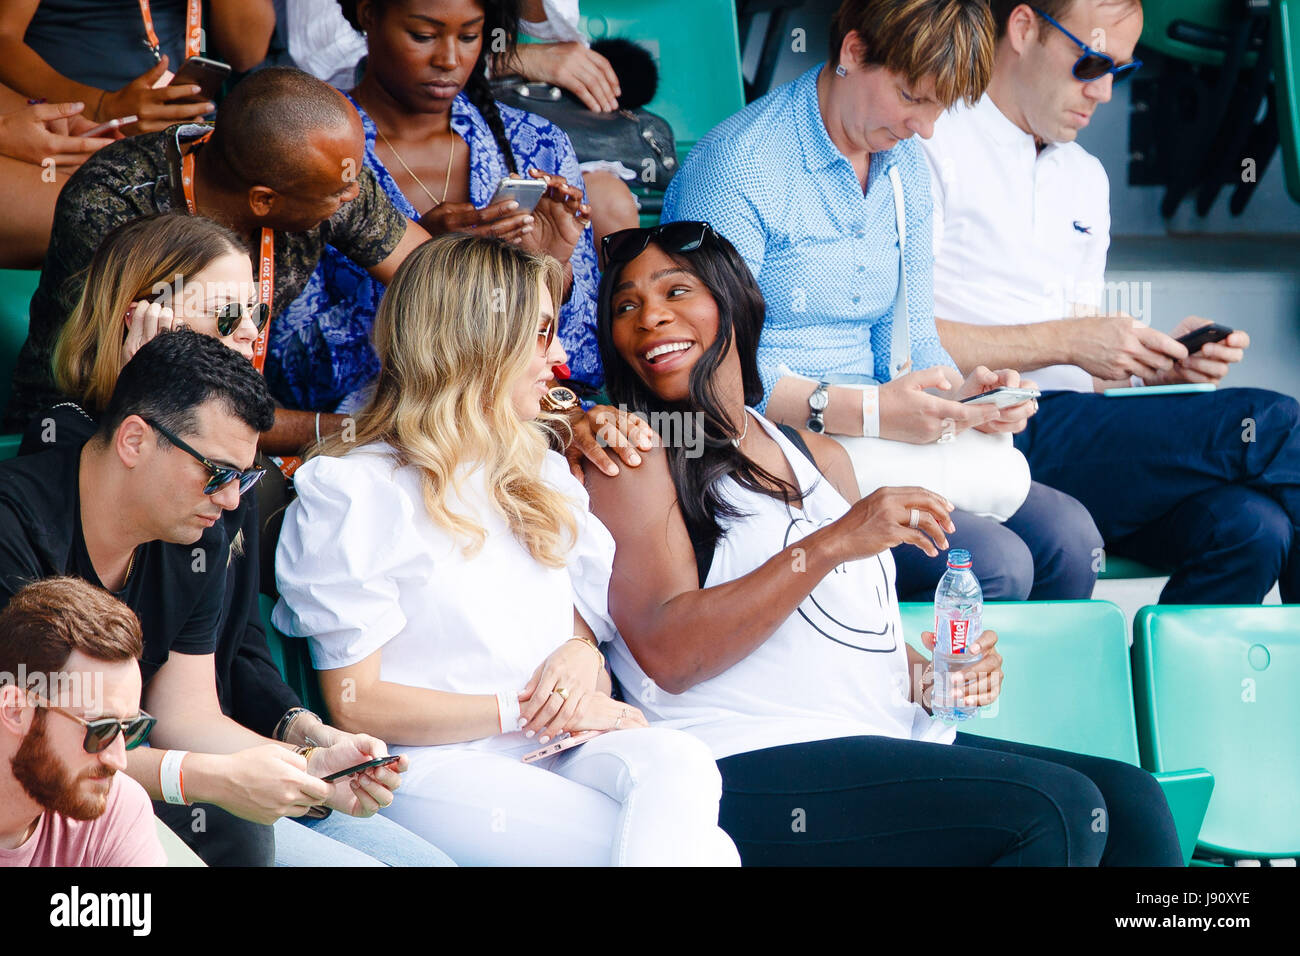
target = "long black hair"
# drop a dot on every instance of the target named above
(719, 267)
(500, 35)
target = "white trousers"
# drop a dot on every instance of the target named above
(638, 797)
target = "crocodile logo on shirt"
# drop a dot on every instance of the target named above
(1080, 227)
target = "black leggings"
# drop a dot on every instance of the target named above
(978, 802)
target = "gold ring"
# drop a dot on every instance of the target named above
(564, 694)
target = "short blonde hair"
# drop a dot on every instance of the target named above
(455, 330)
(949, 40)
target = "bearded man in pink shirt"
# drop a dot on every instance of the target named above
(69, 711)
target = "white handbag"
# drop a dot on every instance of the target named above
(980, 473)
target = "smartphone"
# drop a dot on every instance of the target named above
(377, 762)
(1140, 390)
(1196, 339)
(111, 124)
(1003, 396)
(207, 75)
(557, 746)
(527, 192)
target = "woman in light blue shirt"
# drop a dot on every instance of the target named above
(800, 183)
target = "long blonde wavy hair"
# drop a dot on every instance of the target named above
(133, 262)
(455, 330)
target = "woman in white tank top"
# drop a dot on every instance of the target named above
(754, 598)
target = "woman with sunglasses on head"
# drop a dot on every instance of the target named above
(439, 145)
(811, 183)
(753, 592)
(147, 277)
(451, 581)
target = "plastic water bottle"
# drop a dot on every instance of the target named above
(958, 611)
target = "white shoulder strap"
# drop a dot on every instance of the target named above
(900, 358)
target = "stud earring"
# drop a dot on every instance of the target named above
(840, 71)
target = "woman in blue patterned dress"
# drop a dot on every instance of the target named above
(438, 144)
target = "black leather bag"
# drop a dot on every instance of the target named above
(642, 141)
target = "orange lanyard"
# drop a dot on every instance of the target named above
(266, 255)
(193, 29)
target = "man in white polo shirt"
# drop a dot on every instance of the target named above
(1205, 486)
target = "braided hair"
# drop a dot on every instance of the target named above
(500, 36)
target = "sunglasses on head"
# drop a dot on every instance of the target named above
(626, 244)
(222, 475)
(230, 315)
(101, 732)
(1093, 64)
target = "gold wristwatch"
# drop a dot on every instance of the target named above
(560, 399)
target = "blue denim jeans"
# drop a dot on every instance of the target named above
(341, 840)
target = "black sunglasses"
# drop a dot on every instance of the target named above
(1093, 64)
(222, 475)
(101, 732)
(626, 244)
(230, 315)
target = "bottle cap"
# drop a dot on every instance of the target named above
(959, 558)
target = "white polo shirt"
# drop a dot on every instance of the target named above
(1019, 236)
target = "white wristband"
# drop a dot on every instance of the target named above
(871, 411)
(508, 710)
(170, 780)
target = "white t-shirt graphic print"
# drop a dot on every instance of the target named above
(835, 668)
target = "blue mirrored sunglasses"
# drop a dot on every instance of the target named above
(1093, 64)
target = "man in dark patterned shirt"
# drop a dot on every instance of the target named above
(286, 153)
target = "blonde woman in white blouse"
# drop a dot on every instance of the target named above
(442, 560)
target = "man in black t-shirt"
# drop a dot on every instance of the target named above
(136, 510)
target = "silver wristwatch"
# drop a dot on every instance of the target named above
(817, 402)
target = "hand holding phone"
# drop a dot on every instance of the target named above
(1003, 396)
(527, 192)
(351, 771)
(1197, 339)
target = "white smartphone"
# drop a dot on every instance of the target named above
(111, 124)
(1003, 397)
(527, 192)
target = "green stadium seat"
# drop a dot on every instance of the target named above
(9, 446)
(1286, 87)
(1216, 687)
(1117, 568)
(16, 288)
(697, 47)
(178, 854)
(1070, 688)
(294, 660)
(1192, 30)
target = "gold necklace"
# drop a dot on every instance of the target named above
(445, 186)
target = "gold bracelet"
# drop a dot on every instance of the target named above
(590, 642)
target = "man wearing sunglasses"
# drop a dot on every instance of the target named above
(1022, 227)
(69, 712)
(136, 509)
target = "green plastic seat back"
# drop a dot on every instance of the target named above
(1286, 88)
(1067, 675)
(16, 288)
(293, 659)
(1216, 687)
(697, 47)
(1160, 15)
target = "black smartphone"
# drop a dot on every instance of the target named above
(1196, 339)
(377, 762)
(206, 74)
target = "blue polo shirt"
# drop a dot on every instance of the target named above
(825, 255)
